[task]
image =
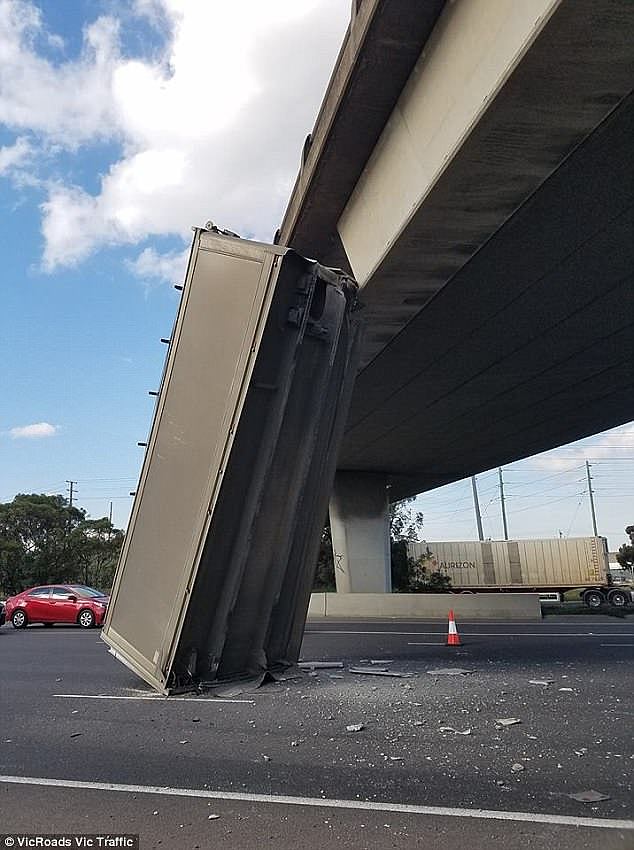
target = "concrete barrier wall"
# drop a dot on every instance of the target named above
(317, 606)
(516, 606)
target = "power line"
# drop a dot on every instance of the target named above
(574, 516)
(545, 504)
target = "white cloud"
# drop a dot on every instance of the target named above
(169, 267)
(610, 444)
(33, 432)
(68, 103)
(15, 155)
(213, 128)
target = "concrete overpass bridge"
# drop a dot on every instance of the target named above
(472, 165)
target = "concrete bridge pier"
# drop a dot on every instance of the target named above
(360, 526)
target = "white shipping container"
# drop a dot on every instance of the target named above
(548, 563)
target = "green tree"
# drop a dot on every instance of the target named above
(625, 555)
(43, 540)
(405, 525)
(97, 545)
(325, 572)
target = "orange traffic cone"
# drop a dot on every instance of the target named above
(453, 638)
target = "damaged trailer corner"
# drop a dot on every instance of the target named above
(216, 570)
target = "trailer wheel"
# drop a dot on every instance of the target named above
(593, 599)
(618, 598)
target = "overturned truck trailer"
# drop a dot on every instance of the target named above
(215, 575)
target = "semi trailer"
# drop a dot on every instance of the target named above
(216, 570)
(547, 566)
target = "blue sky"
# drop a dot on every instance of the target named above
(122, 124)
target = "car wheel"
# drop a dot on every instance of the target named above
(593, 599)
(19, 619)
(86, 619)
(618, 599)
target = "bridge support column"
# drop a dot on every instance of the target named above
(360, 526)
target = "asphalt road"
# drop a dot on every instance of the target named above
(280, 768)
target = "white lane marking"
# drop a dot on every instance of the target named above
(617, 644)
(425, 643)
(478, 634)
(485, 623)
(317, 802)
(157, 698)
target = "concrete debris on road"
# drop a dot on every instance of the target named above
(544, 682)
(213, 817)
(319, 665)
(450, 671)
(517, 767)
(590, 796)
(508, 721)
(380, 671)
(457, 731)
(568, 690)
(355, 727)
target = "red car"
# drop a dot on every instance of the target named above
(68, 603)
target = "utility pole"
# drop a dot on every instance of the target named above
(591, 494)
(476, 507)
(71, 484)
(110, 514)
(506, 529)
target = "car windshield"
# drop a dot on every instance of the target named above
(82, 590)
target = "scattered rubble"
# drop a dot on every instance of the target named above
(517, 767)
(450, 671)
(320, 665)
(457, 731)
(355, 727)
(508, 721)
(380, 671)
(590, 796)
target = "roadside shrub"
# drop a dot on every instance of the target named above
(424, 580)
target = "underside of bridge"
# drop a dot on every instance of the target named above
(500, 314)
